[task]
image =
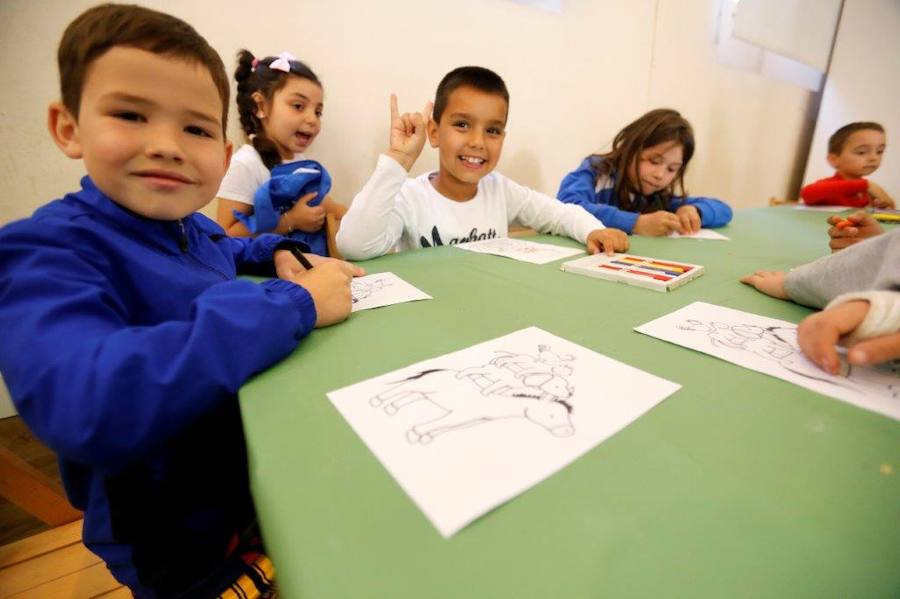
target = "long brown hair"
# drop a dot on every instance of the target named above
(657, 126)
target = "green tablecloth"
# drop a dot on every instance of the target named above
(738, 485)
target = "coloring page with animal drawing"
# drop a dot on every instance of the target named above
(521, 249)
(382, 289)
(467, 431)
(769, 345)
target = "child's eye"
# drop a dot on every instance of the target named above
(495, 131)
(319, 113)
(299, 107)
(461, 125)
(195, 130)
(130, 116)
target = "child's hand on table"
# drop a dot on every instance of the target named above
(818, 334)
(607, 240)
(329, 285)
(770, 282)
(658, 224)
(689, 217)
(880, 198)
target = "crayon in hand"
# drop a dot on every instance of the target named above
(844, 223)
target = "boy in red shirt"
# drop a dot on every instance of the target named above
(854, 151)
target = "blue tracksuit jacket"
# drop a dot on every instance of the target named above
(124, 342)
(276, 196)
(580, 187)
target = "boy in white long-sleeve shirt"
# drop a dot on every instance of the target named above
(465, 200)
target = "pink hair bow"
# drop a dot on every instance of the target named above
(283, 62)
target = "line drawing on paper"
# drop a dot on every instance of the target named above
(779, 344)
(510, 385)
(360, 290)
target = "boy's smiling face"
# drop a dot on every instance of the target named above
(149, 130)
(469, 137)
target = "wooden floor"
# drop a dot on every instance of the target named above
(15, 523)
(54, 564)
(37, 560)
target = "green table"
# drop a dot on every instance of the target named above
(738, 485)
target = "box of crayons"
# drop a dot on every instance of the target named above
(661, 275)
(885, 215)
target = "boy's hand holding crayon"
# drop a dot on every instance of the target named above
(328, 283)
(408, 134)
(845, 232)
(607, 240)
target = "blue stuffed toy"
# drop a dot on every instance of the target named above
(289, 182)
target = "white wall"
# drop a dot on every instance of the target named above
(863, 85)
(575, 79)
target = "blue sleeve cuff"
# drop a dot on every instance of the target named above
(265, 245)
(301, 298)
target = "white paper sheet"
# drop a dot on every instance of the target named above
(465, 432)
(802, 206)
(701, 234)
(521, 249)
(769, 345)
(382, 289)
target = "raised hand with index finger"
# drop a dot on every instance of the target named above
(407, 133)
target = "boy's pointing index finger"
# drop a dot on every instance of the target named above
(395, 112)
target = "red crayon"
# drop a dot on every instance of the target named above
(638, 272)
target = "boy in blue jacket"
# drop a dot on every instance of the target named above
(126, 334)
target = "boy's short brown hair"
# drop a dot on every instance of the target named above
(480, 78)
(839, 138)
(105, 26)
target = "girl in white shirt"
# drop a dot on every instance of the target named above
(280, 102)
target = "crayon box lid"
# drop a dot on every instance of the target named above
(640, 271)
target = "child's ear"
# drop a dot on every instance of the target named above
(229, 150)
(432, 130)
(260, 105)
(64, 129)
(832, 160)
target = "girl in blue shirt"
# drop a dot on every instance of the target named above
(638, 186)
